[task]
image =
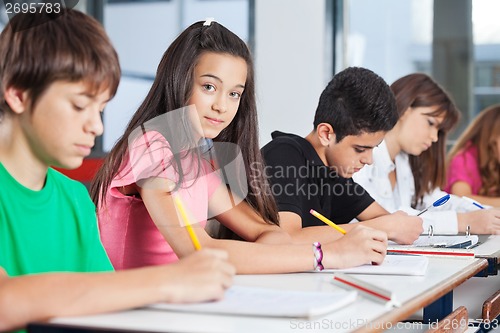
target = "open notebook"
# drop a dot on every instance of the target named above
(392, 265)
(450, 242)
(254, 301)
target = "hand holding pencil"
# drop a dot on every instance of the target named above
(358, 247)
(361, 245)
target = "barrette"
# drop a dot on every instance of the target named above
(208, 21)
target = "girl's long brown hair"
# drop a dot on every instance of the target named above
(482, 133)
(171, 90)
(420, 90)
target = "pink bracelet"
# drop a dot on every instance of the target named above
(318, 256)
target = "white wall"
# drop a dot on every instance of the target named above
(291, 70)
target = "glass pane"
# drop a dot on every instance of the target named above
(486, 31)
(394, 38)
(3, 16)
(391, 37)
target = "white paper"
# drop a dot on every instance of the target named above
(392, 265)
(253, 301)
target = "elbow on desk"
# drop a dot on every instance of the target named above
(6, 321)
(14, 314)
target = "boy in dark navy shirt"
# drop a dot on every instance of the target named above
(355, 111)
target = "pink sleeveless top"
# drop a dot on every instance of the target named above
(128, 233)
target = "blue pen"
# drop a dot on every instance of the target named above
(478, 205)
(437, 203)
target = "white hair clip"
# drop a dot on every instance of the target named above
(208, 21)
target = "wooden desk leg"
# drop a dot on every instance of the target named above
(491, 307)
(455, 322)
(439, 309)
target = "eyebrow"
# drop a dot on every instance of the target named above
(367, 147)
(91, 96)
(220, 80)
(364, 147)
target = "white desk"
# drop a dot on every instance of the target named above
(365, 315)
(490, 250)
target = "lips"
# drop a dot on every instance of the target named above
(214, 121)
(84, 149)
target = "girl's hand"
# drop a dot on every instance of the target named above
(484, 221)
(359, 246)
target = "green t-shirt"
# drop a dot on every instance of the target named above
(51, 230)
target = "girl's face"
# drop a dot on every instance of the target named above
(496, 145)
(418, 129)
(219, 82)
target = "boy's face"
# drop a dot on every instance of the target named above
(61, 129)
(352, 152)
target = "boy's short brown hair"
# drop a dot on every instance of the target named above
(37, 49)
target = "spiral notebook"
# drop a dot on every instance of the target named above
(450, 242)
(455, 246)
(252, 301)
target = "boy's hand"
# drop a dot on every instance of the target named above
(403, 228)
(201, 276)
(359, 246)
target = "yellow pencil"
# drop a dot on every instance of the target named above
(189, 228)
(327, 221)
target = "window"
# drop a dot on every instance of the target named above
(398, 37)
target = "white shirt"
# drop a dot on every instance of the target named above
(375, 179)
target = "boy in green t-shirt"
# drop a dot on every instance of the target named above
(57, 72)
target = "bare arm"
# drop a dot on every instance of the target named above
(245, 222)
(292, 223)
(399, 226)
(247, 257)
(463, 189)
(259, 258)
(372, 211)
(359, 246)
(485, 221)
(201, 277)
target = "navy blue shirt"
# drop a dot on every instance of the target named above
(300, 181)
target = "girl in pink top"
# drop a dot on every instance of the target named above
(474, 161)
(204, 89)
